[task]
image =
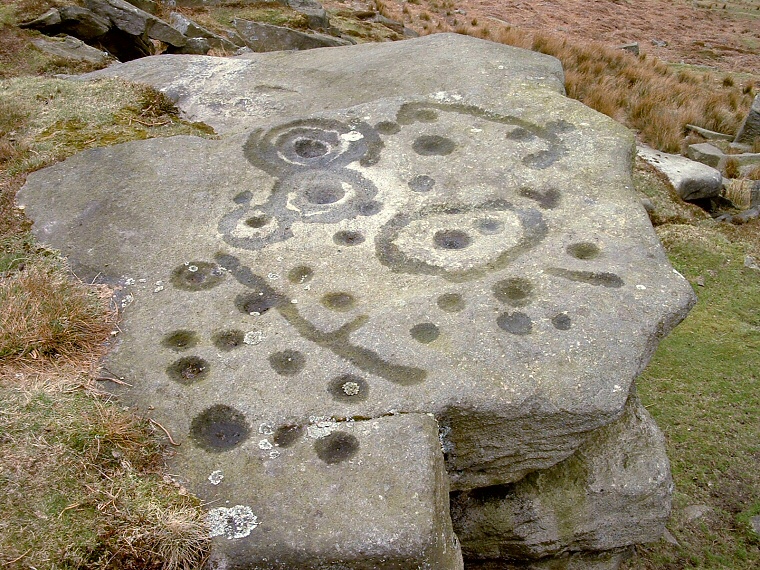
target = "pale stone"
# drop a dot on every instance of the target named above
(691, 180)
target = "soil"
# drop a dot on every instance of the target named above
(723, 35)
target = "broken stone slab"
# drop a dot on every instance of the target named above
(358, 494)
(613, 493)
(750, 129)
(711, 135)
(706, 153)
(237, 93)
(74, 20)
(691, 180)
(135, 21)
(266, 37)
(192, 29)
(72, 48)
(429, 251)
(316, 16)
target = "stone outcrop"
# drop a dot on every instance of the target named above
(192, 30)
(691, 180)
(388, 243)
(71, 48)
(136, 22)
(577, 504)
(749, 132)
(266, 37)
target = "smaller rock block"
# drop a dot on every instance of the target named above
(750, 129)
(706, 154)
(691, 180)
(265, 37)
(193, 30)
(71, 49)
(614, 492)
(363, 495)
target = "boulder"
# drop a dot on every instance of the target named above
(706, 153)
(691, 180)
(420, 236)
(71, 48)
(191, 29)
(750, 129)
(195, 46)
(316, 16)
(614, 492)
(136, 22)
(266, 37)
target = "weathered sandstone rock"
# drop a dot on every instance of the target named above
(191, 30)
(750, 129)
(469, 247)
(71, 48)
(614, 492)
(691, 180)
(232, 95)
(266, 37)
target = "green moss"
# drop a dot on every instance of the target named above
(265, 13)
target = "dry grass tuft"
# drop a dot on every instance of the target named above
(641, 92)
(82, 487)
(44, 313)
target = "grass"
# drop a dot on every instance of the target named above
(701, 387)
(81, 482)
(81, 486)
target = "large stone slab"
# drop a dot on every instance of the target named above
(469, 248)
(232, 95)
(489, 265)
(614, 492)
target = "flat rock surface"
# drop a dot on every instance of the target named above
(233, 94)
(471, 248)
(491, 267)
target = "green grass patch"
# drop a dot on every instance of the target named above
(48, 119)
(80, 487)
(702, 388)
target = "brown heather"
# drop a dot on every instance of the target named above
(646, 95)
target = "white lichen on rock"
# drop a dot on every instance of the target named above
(216, 477)
(235, 522)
